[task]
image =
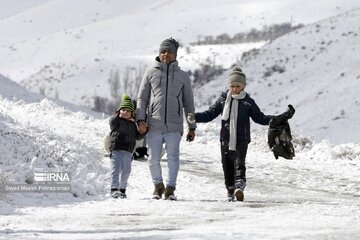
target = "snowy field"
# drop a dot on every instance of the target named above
(313, 196)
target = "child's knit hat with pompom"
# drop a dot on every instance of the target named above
(127, 103)
(237, 77)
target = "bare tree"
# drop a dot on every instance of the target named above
(120, 83)
(114, 81)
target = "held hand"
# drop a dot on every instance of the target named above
(142, 127)
(190, 136)
(191, 118)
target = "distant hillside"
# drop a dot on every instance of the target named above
(69, 49)
(317, 70)
(12, 90)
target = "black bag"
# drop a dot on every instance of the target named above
(279, 135)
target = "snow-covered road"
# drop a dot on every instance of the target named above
(294, 216)
(314, 196)
(284, 200)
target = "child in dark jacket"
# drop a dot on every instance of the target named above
(123, 136)
(236, 108)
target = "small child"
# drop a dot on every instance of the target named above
(236, 107)
(123, 136)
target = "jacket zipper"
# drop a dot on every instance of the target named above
(166, 93)
(177, 97)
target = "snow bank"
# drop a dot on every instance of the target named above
(46, 136)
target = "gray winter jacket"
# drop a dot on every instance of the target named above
(165, 92)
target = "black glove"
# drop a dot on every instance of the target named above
(290, 113)
(282, 118)
(191, 135)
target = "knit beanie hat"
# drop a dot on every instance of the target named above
(127, 103)
(169, 44)
(237, 77)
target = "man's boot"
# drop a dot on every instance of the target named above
(158, 191)
(169, 193)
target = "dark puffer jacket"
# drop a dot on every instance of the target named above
(247, 109)
(123, 134)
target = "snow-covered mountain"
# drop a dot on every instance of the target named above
(315, 69)
(67, 51)
(321, 74)
(12, 90)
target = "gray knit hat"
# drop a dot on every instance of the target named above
(237, 77)
(169, 44)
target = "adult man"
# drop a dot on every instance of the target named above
(164, 94)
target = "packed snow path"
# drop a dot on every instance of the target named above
(314, 196)
(284, 200)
